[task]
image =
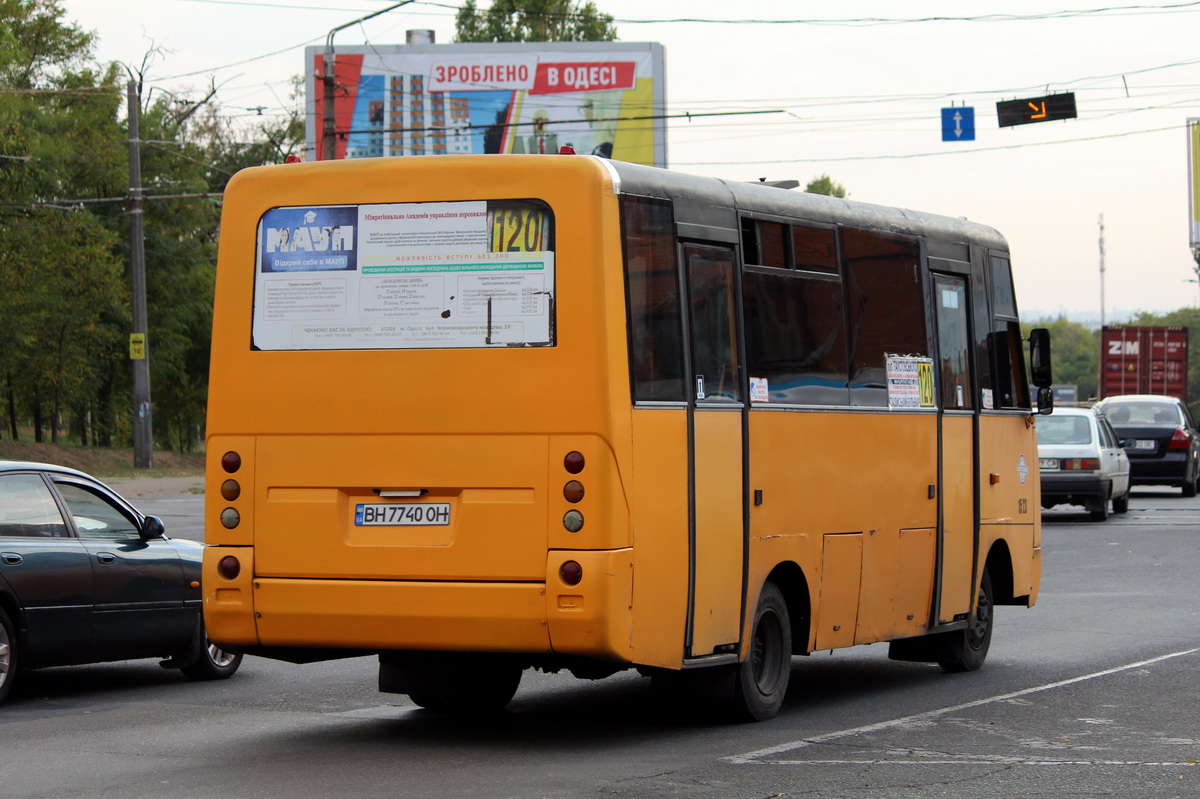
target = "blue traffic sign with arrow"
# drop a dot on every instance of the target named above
(958, 124)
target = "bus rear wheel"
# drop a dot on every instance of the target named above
(762, 678)
(971, 645)
(451, 682)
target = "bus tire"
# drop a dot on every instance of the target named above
(8, 654)
(970, 646)
(761, 680)
(454, 683)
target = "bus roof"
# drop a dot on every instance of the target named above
(708, 202)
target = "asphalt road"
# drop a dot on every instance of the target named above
(1092, 693)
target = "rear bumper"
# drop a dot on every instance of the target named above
(592, 619)
(1171, 469)
(1060, 488)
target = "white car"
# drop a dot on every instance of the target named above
(1082, 462)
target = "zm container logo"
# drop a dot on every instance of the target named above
(1118, 347)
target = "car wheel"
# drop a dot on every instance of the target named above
(8, 654)
(1100, 510)
(211, 662)
(1189, 488)
(973, 643)
(1121, 503)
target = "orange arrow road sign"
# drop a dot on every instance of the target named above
(1040, 112)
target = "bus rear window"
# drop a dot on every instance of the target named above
(477, 273)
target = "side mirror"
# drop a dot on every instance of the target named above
(1039, 359)
(1045, 400)
(1039, 368)
(152, 527)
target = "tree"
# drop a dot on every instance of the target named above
(1075, 354)
(825, 185)
(60, 139)
(534, 21)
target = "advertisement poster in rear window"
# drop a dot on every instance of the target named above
(404, 276)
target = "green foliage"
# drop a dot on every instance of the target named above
(534, 21)
(1074, 354)
(64, 259)
(825, 185)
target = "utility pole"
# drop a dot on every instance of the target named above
(139, 347)
(1101, 271)
(329, 85)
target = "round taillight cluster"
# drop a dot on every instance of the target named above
(571, 573)
(573, 491)
(231, 462)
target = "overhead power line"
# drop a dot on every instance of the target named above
(930, 154)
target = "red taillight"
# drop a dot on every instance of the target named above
(231, 462)
(229, 567)
(1081, 464)
(573, 462)
(1180, 439)
(571, 573)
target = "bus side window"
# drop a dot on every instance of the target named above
(795, 337)
(653, 300)
(1012, 386)
(714, 322)
(885, 309)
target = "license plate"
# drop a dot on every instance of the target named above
(402, 514)
(1048, 464)
(1144, 443)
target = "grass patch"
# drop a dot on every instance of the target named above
(102, 461)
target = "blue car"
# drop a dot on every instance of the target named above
(86, 578)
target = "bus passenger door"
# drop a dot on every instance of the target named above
(957, 466)
(717, 452)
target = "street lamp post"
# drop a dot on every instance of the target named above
(329, 85)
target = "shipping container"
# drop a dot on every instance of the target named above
(1143, 360)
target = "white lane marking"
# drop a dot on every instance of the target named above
(757, 755)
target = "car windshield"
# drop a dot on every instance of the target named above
(1064, 430)
(1141, 413)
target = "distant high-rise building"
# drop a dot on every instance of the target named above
(425, 123)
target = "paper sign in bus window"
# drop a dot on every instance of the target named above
(910, 382)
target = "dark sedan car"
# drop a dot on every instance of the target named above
(1159, 437)
(86, 578)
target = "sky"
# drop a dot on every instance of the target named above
(856, 88)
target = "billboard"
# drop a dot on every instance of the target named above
(1193, 127)
(601, 98)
